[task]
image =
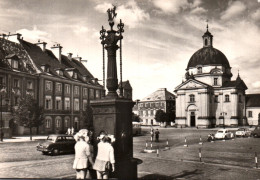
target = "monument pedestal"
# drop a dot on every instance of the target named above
(114, 116)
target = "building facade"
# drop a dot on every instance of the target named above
(147, 107)
(253, 109)
(61, 84)
(208, 97)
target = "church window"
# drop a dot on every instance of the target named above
(216, 98)
(206, 42)
(199, 70)
(215, 81)
(250, 114)
(226, 98)
(192, 98)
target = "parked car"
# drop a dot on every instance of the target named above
(56, 144)
(243, 132)
(256, 132)
(224, 134)
(137, 130)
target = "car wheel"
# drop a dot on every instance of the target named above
(55, 152)
(225, 138)
(44, 153)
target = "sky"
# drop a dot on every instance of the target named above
(159, 39)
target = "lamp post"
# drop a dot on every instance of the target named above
(223, 113)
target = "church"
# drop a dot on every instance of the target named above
(208, 97)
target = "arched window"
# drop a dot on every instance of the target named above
(58, 122)
(206, 42)
(192, 98)
(48, 122)
(226, 98)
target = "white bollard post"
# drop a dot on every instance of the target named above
(256, 163)
(151, 146)
(200, 141)
(146, 144)
(185, 141)
(200, 154)
(157, 152)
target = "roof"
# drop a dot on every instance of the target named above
(126, 85)
(160, 94)
(238, 83)
(208, 56)
(252, 100)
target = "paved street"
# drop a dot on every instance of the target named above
(230, 159)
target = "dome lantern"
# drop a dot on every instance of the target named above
(207, 38)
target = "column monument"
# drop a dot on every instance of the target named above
(113, 114)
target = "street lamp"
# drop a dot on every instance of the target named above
(2, 93)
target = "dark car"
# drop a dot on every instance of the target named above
(256, 132)
(56, 144)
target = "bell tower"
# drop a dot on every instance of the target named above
(207, 38)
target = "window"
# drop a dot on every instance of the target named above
(15, 64)
(192, 98)
(67, 103)
(66, 123)
(199, 70)
(91, 93)
(76, 90)
(58, 103)
(48, 85)
(58, 122)
(146, 113)
(85, 104)
(141, 104)
(250, 114)
(76, 104)
(58, 87)
(16, 83)
(216, 98)
(75, 75)
(206, 42)
(215, 81)
(48, 123)
(85, 92)
(226, 98)
(29, 85)
(151, 113)
(48, 102)
(1, 81)
(67, 88)
(141, 113)
(97, 94)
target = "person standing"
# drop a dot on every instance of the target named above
(83, 155)
(69, 131)
(157, 135)
(105, 158)
(72, 131)
(152, 134)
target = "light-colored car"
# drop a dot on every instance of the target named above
(224, 134)
(243, 132)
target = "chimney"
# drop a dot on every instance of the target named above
(57, 51)
(70, 56)
(42, 45)
(14, 37)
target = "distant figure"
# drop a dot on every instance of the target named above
(72, 130)
(152, 134)
(157, 135)
(69, 131)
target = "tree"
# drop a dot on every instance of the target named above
(160, 116)
(135, 118)
(28, 113)
(87, 116)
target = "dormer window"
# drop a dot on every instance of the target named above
(199, 70)
(45, 68)
(15, 64)
(75, 75)
(59, 72)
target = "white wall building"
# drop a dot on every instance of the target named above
(208, 97)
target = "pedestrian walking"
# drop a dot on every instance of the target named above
(69, 131)
(157, 135)
(72, 131)
(105, 160)
(83, 155)
(152, 134)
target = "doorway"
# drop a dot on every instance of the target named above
(192, 119)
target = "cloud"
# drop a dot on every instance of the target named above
(256, 15)
(256, 84)
(130, 12)
(34, 35)
(79, 29)
(235, 9)
(198, 10)
(171, 6)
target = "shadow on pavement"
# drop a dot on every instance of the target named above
(183, 174)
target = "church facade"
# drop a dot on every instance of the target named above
(208, 97)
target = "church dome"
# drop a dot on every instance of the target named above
(208, 56)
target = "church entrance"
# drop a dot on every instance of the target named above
(192, 119)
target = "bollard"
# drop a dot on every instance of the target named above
(186, 145)
(151, 139)
(167, 143)
(200, 141)
(146, 144)
(200, 154)
(256, 165)
(151, 145)
(157, 152)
